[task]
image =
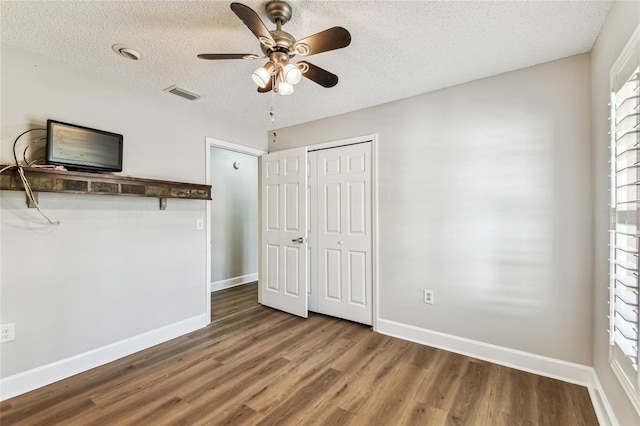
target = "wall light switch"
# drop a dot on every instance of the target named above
(199, 224)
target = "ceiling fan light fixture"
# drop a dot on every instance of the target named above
(262, 75)
(292, 74)
(284, 88)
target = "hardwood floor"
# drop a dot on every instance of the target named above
(254, 365)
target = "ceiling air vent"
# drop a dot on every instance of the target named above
(182, 93)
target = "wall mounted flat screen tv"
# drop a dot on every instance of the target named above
(82, 148)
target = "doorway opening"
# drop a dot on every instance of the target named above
(232, 217)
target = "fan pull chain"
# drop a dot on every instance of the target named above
(271, 113)
(273, 123)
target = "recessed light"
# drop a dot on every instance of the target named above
(126, 52)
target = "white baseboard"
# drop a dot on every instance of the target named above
(604, 412)
(232, 282)
(44, 375)
(544, 366)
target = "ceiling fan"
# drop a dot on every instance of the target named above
(280, 74)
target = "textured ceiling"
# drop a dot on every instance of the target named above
(399, 48)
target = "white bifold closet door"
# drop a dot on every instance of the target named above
(325, 195)
(340, 232)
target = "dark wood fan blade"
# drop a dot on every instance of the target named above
(215, 56)
(323, 77)
(253, 22)
(331, 39)
(268, 88)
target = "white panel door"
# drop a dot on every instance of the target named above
(342, 241)
(283, 275)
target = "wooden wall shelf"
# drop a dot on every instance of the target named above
(50, 180)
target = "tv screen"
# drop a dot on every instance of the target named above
(81, 148)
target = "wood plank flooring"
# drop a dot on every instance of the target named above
(258, 366)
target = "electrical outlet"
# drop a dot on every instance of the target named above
(428, 296)
(8, 333)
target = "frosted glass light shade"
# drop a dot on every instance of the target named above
(292, 74)
(284, 88)
(261, 77)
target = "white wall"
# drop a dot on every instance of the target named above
(116, 267)
(622, 20)
(234, 216)
(485, 198)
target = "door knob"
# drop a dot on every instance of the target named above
(298, 240)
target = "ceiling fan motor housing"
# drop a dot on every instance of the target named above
(284, 43)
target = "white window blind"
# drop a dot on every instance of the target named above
(625, 219)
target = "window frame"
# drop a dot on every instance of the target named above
(624, 67)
